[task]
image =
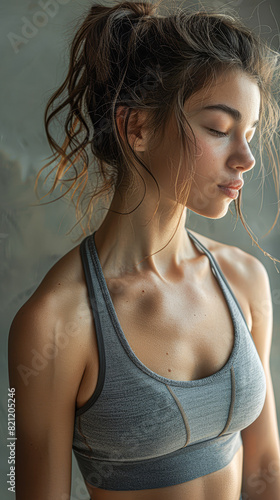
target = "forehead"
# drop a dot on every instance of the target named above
(234, 88)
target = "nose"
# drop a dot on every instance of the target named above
(242, 157)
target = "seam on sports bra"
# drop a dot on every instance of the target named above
(188, 429)
(82, 434)
(77, 450)
(194, 446)
(221, 274)
(231, 402)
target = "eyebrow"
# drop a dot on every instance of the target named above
(230, 111)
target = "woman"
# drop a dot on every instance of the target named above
(143, 348)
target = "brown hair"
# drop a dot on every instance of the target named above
(130, 55)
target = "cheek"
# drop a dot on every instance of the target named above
(208, 157)
(204, 149)
(208, 166)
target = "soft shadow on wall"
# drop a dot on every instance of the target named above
(33, 239)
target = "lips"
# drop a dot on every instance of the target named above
(231, 189)
(238, 184)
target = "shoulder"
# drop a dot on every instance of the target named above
(53, 325)
(245, 273)
(233, 259)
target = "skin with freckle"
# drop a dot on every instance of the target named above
(216, 156)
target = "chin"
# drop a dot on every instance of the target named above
(214, 213)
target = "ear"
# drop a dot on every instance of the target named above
(136, 131)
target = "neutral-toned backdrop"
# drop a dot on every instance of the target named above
(32, 239)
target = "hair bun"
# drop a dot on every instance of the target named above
(136, 9)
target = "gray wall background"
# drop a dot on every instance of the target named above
(32, 239)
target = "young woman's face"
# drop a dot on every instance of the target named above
(223, 121)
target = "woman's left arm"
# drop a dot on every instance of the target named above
(261, 459)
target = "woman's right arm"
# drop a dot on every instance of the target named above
(45, 368)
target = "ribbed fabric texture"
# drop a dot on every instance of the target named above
(140, 430)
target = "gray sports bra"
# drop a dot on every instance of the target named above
(141, 430)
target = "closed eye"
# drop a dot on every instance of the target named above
(223, 134)
(216, 132)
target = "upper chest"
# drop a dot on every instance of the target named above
(181, 330)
